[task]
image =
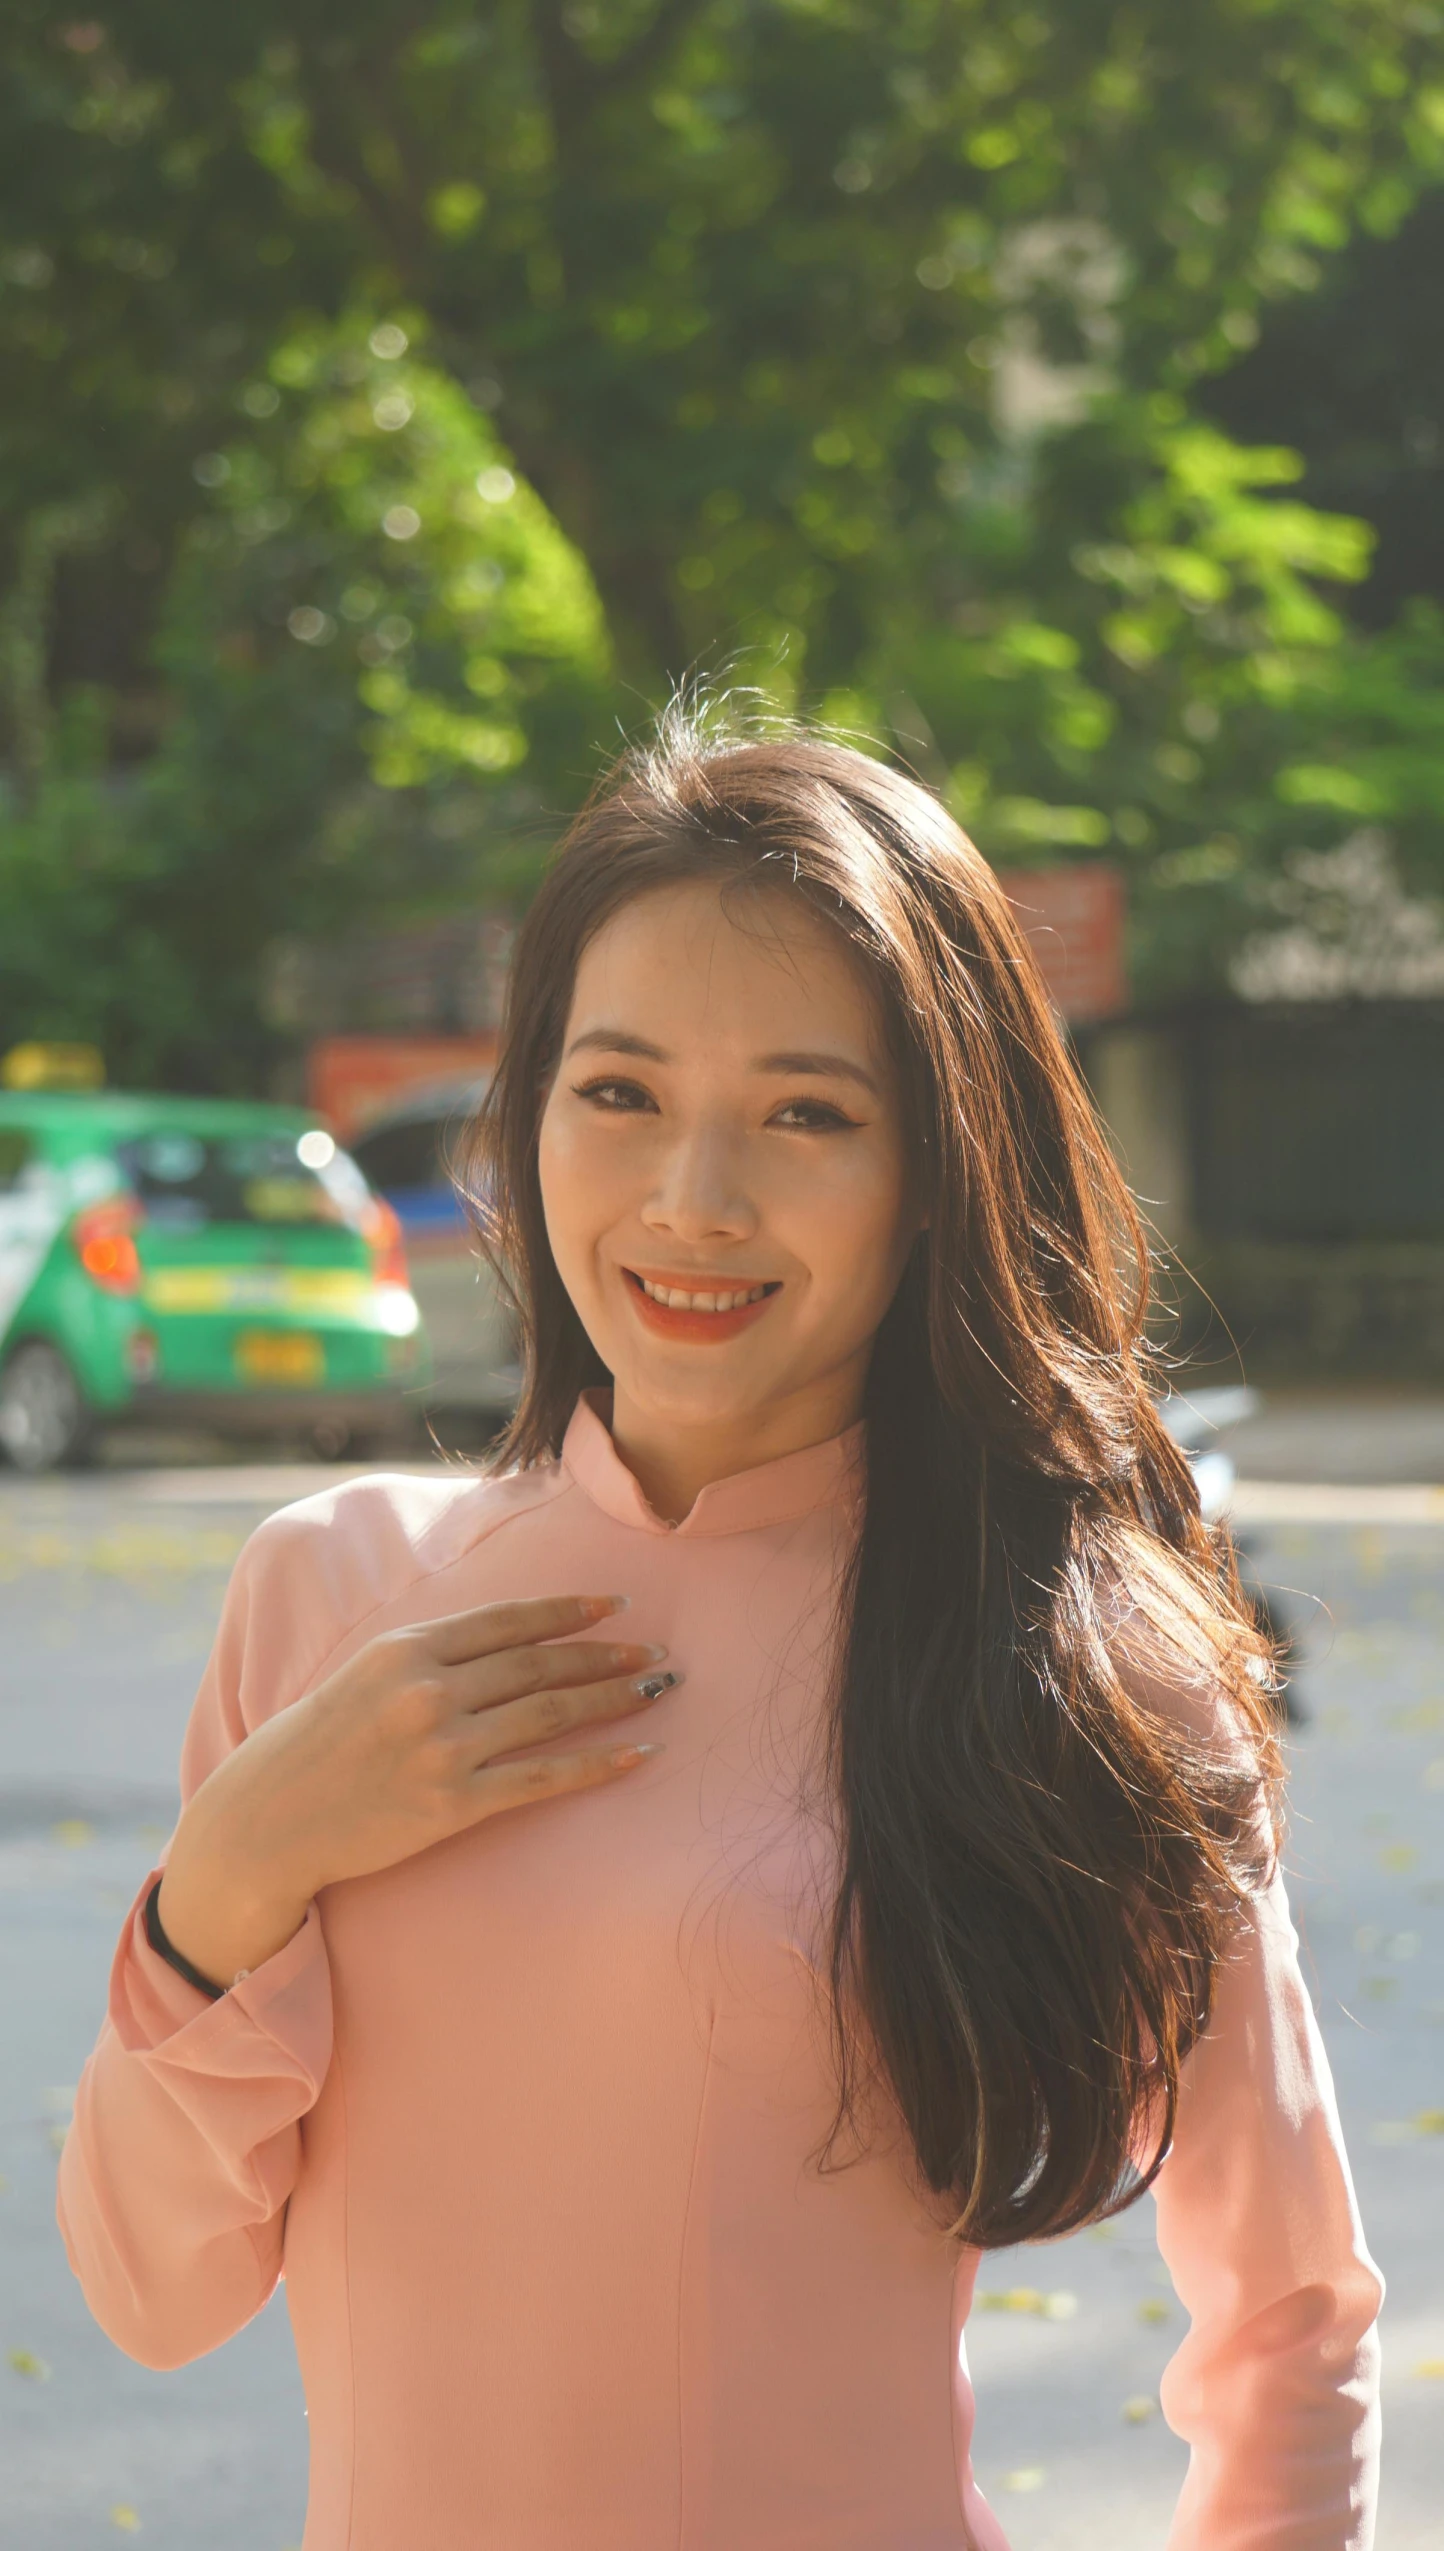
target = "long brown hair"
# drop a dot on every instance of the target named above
(1051, 1743)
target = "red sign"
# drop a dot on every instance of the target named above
(350, 1079)
(1074, 918)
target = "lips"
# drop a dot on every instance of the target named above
(706, 1311)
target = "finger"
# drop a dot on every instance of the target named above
(543, 1714)
(528, 1782)
(484, 1682)
(459, 1635)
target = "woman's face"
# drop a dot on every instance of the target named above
(723, 1170)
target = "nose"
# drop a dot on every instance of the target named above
(700, 1193)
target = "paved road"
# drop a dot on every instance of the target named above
(109, 1588)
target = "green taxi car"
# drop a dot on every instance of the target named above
(194, 1259)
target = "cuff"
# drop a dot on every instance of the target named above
(150, 2003)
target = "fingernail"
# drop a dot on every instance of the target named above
(626, 1755)
(652, 1686)
(619, 1602)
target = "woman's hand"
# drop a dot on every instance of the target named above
(422, 1733)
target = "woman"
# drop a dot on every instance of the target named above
(628, 2043)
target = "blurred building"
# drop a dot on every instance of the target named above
(1288, 1143)
(440, 977)
(381, 1016)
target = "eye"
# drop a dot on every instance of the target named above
(813, 1116)
(615, 1097)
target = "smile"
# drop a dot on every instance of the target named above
(714, 1310)
(676, 1300)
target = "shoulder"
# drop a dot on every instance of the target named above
(316, 1572)
(1184, 1658)
(331, 1572)
(386, 1531)
(1198, 1685)
(406, 1521)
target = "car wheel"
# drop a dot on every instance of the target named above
(44, 1422)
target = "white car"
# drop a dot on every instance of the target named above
(406, 1154)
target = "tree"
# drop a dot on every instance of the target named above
(861, 344)
(1351, 374)
(727, 270)
(367, 609)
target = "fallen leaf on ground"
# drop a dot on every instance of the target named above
(73, 1831)
(23, 2360)
(1032, 2476)
(1415, 1718)
(1153, 2308)
(1139, 2409)
(1027, 2299)
(125, 2519)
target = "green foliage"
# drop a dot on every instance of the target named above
(373, 514)
(857, 344)
(77, 961)
(1349, 375)
(1175, 690)
(369, 612)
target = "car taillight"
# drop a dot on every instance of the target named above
(387, 1245)
(103, 1238)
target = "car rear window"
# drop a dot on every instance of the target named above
(185, 1180)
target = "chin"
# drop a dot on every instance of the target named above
(696, 1398)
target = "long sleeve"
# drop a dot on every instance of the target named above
(186, 2141)
(1275, 2388)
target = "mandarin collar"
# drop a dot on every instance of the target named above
(775, 1492)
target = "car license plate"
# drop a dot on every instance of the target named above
(289, 1357)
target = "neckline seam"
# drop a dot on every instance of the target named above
(592, 1463)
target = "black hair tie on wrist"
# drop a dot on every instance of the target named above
(166, 1949)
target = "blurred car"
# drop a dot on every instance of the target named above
(407, 1155)
(194, 1259)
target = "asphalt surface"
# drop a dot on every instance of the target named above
(109, 1587)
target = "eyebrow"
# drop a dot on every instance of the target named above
(818, 1066)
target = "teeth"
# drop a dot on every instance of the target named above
(675, 1301)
